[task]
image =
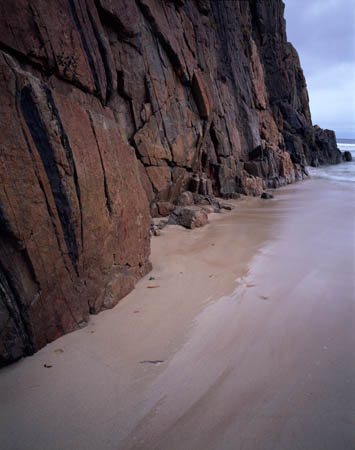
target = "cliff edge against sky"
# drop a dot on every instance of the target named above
(110, 109)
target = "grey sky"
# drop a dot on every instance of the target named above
(323, 32)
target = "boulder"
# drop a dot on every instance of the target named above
(188, 217)
(347, 156)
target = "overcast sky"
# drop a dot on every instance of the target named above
(323, 33)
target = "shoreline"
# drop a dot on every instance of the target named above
(207, 355)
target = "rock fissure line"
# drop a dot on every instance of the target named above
(108, 63)
(85, 45)
(107, 194)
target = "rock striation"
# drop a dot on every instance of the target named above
(110, 109)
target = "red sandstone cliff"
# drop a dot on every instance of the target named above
(110, 107)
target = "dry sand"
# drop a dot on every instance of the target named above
(248, 343)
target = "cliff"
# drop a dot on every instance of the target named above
(110, 109)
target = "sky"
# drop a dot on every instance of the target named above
(323, 33)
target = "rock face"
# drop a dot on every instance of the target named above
(110, 109)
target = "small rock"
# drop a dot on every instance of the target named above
(157, 232)
(347, 156)
(165, 208)
(266, 196)
(226, 206)
(207, 200)
(153, 361)
(201, 199)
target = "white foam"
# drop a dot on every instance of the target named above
(340, 173)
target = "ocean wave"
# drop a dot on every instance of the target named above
(343, 147)
(340, 173)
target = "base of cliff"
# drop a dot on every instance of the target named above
(239, 320)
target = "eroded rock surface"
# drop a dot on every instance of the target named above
(109, 111)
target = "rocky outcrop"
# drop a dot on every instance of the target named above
(110, 109)
(347, 156)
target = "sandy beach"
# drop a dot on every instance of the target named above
(243, 340)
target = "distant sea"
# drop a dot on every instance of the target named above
(340, 173)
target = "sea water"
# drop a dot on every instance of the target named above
(339, 173)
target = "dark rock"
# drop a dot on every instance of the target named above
(259, 153)
(347, 156)
(226, 206)
(202, 199)
(207, 201)
(234, 196)
(266, 196)
(254, 168)
(324, 147)
(204, 6)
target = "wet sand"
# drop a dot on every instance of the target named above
(247, 343)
